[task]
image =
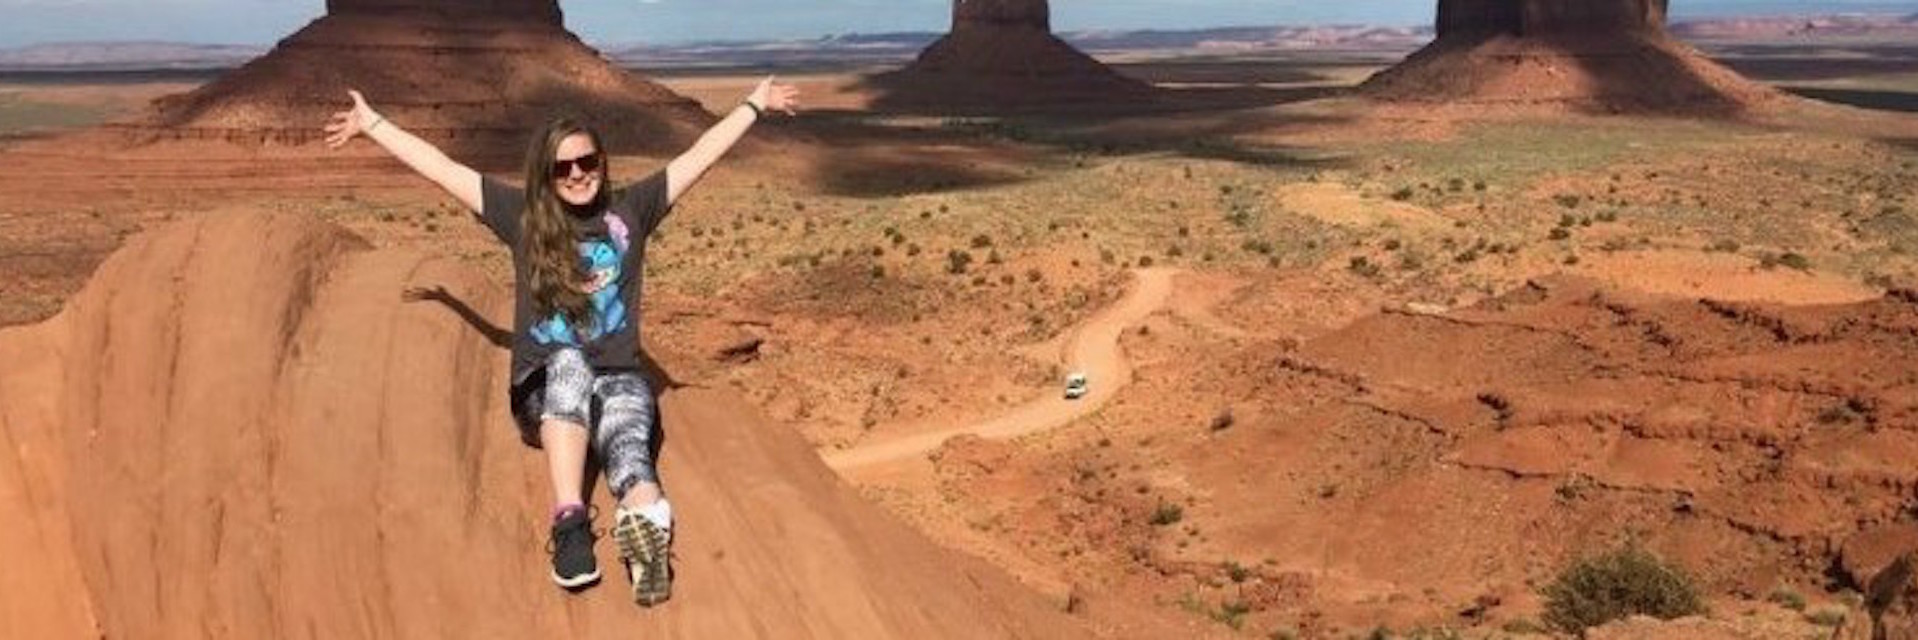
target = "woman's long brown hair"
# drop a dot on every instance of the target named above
(551, 248)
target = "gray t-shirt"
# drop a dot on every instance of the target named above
(612, 247)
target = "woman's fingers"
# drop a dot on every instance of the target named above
(786, 98)
(339, 128)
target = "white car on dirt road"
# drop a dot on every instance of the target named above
(1075, 386)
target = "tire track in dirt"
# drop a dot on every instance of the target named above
(1093, 350)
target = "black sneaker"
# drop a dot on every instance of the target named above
(572, 547)
(647, 551)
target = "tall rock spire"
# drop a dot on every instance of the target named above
(1001, 14)
(1543, 17)
(1599, 56)
(1001, 54)
(475, 76)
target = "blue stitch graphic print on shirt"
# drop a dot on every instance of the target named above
(603, 261)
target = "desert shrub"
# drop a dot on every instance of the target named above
(957, 261)
(1623, 582)
(1166, 514)
(1403, 194)
(1787, 598)
(1362, 267)
(1232, 614)
(1795, 261)
(1434, 633)
(1827, 617)
(1524, 626)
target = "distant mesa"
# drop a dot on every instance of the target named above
(1598, 56)
(1003, 54)
(473, 75)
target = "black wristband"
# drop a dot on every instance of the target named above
(757, 112)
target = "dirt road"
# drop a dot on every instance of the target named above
(1093, 349)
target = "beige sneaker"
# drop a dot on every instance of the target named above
(646, 548)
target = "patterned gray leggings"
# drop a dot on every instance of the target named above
(628, 414)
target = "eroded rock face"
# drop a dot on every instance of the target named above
(1539, 17)
(1879, 562)
(541, 10)
(1001, 14)
(475, 77)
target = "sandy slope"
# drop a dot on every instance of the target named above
(238, 429)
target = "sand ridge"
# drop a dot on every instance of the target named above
(269, 442)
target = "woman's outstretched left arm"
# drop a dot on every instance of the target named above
(686, 170)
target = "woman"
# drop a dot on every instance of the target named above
(578, 255)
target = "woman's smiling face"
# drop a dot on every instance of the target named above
(578, 170)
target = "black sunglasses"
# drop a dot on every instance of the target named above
(586, 163)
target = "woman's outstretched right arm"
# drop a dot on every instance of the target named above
(457, 179)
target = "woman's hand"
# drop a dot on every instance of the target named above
(355, 121)
(770, 96)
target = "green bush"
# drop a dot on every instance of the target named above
(1626, 581)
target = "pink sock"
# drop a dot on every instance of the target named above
(561, 510)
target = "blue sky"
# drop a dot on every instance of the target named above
(24, 22)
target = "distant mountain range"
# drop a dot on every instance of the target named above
(80, 56)
(1862, 26)
(892, 47)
